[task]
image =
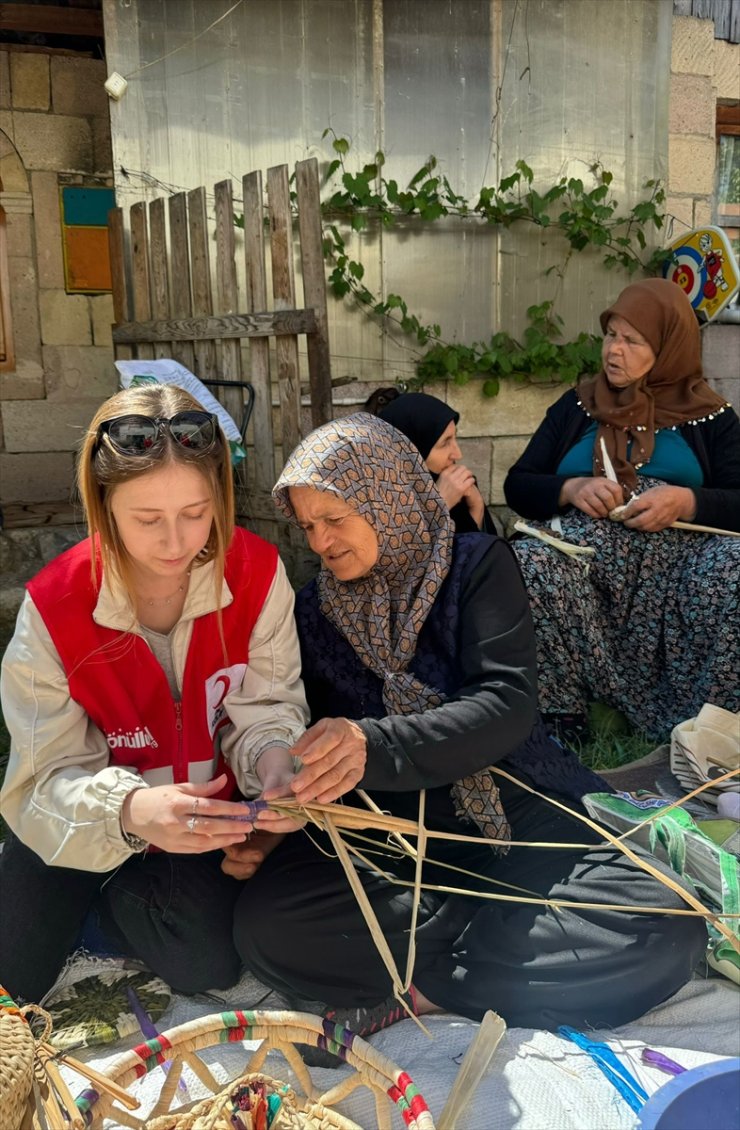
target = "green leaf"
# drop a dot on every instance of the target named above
(356, 269)
(525, 170)
(644, 211)
(432, 211)
(491, 386)
(505, 184)
(340, 145)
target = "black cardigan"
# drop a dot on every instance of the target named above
(532, 487)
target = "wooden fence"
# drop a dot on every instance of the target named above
(165, 306)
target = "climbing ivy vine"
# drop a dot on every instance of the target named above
(584, 212)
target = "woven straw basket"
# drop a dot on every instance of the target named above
(16, 1063)
(279, 1030)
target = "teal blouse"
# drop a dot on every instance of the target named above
(672, 460)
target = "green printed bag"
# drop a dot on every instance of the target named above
(675, 838)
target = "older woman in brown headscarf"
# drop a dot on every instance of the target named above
(652, 627)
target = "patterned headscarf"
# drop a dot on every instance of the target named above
(674, 392)
(380, 473)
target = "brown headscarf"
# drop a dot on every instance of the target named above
(673, 392)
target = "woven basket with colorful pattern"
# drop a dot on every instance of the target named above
(311, 1109)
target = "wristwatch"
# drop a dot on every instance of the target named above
(134, 842)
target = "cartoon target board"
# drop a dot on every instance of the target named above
(703, 264)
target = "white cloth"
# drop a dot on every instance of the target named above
(536, 1079)
(169, 372)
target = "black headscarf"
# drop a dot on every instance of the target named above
(423, 419)
(420, 417)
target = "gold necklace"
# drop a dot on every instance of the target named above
(163, 601)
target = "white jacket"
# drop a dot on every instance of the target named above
(61, 796)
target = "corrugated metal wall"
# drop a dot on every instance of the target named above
(479, 83)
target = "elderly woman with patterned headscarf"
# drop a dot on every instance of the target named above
(419, 665)
(652, 626)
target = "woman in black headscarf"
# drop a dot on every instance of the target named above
(431, 425)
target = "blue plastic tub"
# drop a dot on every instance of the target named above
(704, 1098)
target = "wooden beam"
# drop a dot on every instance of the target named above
(270, 324)
(314, 289)
(43, 19)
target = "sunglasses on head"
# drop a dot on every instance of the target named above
(141, 435)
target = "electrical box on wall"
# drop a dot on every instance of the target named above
(85, 211)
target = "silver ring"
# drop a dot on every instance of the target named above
(191, 823)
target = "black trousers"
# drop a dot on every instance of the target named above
(173, 912)
(535, 965)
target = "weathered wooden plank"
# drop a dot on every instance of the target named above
(200, 270)
(121, 297)
(160, 289)
(283, 289)
(278, 323)
(258, 504)
(314, 289)
(49, 19)
(142, 305)
(180, 301)
(227, 294)
(24, 515)
(259, 348)
(117, 246)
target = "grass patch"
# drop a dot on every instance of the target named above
(612, 741)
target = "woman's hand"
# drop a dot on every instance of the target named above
(454, 483)
(475, 504)
(594, 496)
(658, 507)
(184, 818)
(242, 860)
(275, 771)
(333, 752)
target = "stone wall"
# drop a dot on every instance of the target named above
(704, 71)
(54, 130)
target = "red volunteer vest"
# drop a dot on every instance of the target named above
(118, 682)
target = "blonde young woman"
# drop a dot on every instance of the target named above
(153, 678)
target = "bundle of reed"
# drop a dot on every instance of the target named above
(37, 1096)
(330, 818)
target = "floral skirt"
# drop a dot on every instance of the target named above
(650, 626)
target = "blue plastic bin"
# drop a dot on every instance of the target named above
(704, 1098)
